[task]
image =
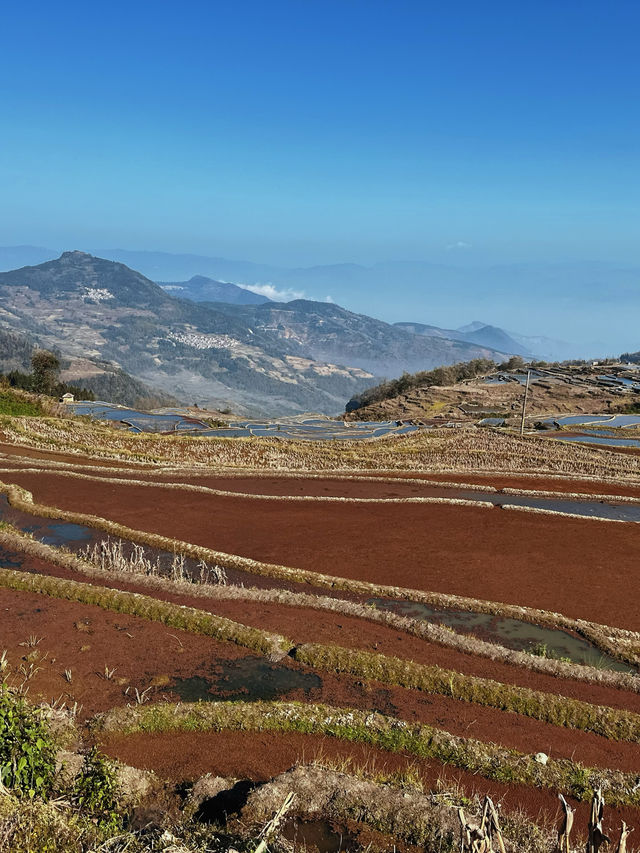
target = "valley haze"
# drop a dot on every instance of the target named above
(590, 303)
(261, 358)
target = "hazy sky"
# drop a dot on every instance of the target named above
(315, 131)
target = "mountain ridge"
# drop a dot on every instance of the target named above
(593, 293)
(330, 332)
(482, 334)
(201, 288)
(265, 358)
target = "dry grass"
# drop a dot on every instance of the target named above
(412, 817)
(112, 557)
(395, 805)
(383, 732)
(87, 472)
(436, 450)
(391, 476)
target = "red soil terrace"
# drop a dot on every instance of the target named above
(515, 557)
(308, 625)
(86, 638)
(259, 756)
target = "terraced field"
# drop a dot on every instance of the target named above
(391, 631)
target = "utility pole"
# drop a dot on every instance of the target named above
(524, 402)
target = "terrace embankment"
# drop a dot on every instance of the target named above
(540, 482)
(442, 450)
(161, 658)
(258, 756)
(11, 451)
(378, 483)
(517, 557)
(306, 624)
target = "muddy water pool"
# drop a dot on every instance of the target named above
(249, 679)
(512, 633)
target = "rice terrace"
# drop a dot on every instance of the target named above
(320, 427)
(422, 641)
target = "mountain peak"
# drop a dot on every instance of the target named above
(475, 326)
(202, 279)
(201, 288)
(75, 255)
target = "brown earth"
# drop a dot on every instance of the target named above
(85, 639)
(12, 450)
(516, 557)
(259, 756)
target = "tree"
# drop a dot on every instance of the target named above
(516, 362)
(45, 366)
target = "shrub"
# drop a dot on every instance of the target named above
(31, 826)
(97, 791)
(27, 751)
(19, 406)
(446, 375)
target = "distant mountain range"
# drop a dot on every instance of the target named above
(591, 300)
(261, 358)
(476, 333)
(202, 289)
(199, 288)
(328, 332)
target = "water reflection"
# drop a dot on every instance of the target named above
(250, 679)
(512, 633)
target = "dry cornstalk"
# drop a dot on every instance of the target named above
(564, 832)
(271, 828)
(596, 836)
(625, 831)
(492, 823)
(473, 839)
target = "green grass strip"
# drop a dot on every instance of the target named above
(551, 708)
(382, 732)
(134, 604)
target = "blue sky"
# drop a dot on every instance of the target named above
(318, 131)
